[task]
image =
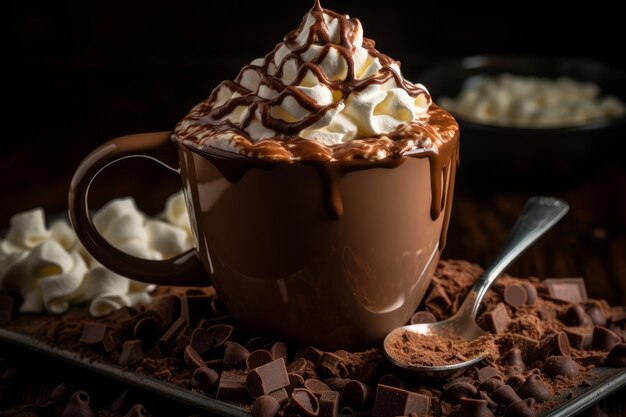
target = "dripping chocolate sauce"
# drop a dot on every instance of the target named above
(442, 162)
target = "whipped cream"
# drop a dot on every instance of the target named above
(325, 84)
(51, 270)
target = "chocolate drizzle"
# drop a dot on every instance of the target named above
(257, 93)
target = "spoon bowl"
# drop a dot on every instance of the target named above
(538, 216)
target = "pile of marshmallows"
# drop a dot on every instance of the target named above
(50, 269)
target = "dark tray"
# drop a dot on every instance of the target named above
(603, 382)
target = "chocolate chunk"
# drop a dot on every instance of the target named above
(258, 358)
(575, 315)
(515, 295)
(265, 406)
(235, 355)
(280, 395)
(356, 394)
(491, 404)
(604, 339)
(438, 301)
(472, 408)
(595, 313)
(120, 315)
(93, 333)
(310, 353)
(166, 308)
(522, 408)
(201, 340)
(298, 366)
(62, 393)
(561, 366)
(391, 380)
(423, 317)
(195, 307)
(232, 387)
(100, 335)
(489, 372)
(337, 384)
(617, 356)
(496, 321)
(259, 342)
(192, 358)
(515, 381)
(535, 388)
(147, 330)
(572, 290)
(204, 379)
(304, 403)
(392, 402)
(112, 340)
(453, 392)
(578, 338)
(167, 340)
(78, 406)
(279, 350)
(220, 333)
(137, 410)
(329, 404)
(267, 378)
(505, 395)
(295, 381)
(316, 386)
(513, 358)
(333, 366)
(8, 308)
(531, 293)
(132, 353)
(491, 385)
(554, 345)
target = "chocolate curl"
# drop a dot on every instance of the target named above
(453, 392)
(78, 406)
(204, 379)
(535, 388)
(265, 406)
(138, 410)
(62, 393)
(472, 408)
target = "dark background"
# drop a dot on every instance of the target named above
(81, 73)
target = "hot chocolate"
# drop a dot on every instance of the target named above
(319, 186)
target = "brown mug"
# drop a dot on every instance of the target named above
(332, 254)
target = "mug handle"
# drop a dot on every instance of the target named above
(183, 270)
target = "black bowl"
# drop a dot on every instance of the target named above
(537, 158)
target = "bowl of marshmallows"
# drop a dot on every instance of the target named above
(530, 121)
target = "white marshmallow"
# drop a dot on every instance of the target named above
(58, 290)
(167, 239)
(176, 211)
(114, 210)
(62, 232)
(28, 229)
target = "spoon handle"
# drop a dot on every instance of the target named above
(538, 216)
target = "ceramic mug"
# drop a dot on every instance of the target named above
(332, 254)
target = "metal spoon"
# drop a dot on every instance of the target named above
(538, 216)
